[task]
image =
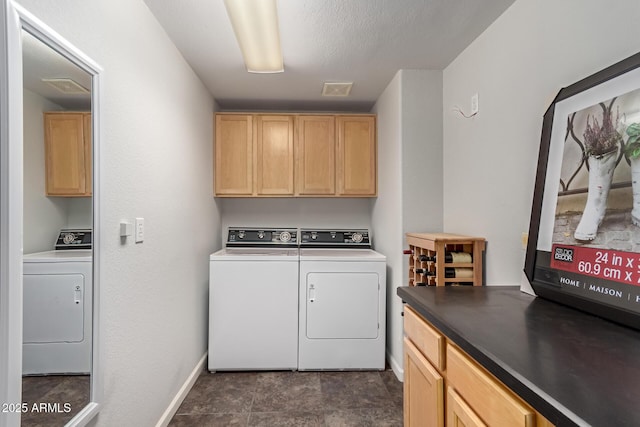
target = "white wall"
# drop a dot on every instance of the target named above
(410, 181)
(43, 216)
(295, 212)
(156, 163)
(517, 66)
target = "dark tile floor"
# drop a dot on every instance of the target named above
(296, 399)
(53, 400)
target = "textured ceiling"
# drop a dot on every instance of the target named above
(364, 41)
(39, 62)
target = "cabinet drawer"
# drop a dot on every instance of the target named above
(428, 340)
(486, 396)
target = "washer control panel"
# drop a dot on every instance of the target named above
(262, 237)
(335, 238)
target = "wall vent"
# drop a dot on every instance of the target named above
(67, 86)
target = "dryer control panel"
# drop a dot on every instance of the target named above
(73, 239)
(255, 237)
(358, 238)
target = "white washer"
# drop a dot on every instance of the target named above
(57, 314)
(253, 301)
(342, 302)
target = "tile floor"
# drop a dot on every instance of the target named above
(296, 399)
(49, 394)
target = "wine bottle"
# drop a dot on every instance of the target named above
(425, 258)
(421, 284)
(424, 272)
(458, 257)
(458, 272)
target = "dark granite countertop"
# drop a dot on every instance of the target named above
(572, 367)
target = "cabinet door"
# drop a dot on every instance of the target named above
(88, 154)
(356, 156)
(274, 155)
(423, 390)
(316, 155)
(234, 155)
(459, 414)
(65, 154)
(489, 398)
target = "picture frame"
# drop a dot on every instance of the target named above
(584, 234)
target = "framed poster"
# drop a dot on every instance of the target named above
(584, 234)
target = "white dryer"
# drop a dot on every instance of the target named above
(57, 308)
(342, 301)
(253, 301)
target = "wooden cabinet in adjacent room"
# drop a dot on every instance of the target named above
(68, 159)
(295, 155)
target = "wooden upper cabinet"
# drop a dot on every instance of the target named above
(288, 155)
(68, 153)
(315, 155)
(234, 155)
(356, 158)
(274, 156)
(88, 154)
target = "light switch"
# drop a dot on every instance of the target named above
(139, 230)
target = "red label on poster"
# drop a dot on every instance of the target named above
(623, 267)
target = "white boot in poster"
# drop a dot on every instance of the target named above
(600, 174)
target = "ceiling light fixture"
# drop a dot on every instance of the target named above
(255, 23)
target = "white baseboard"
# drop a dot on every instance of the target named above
(395, 366)
(171, 410)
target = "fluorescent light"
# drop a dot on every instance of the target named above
(255, 23)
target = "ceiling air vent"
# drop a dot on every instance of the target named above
(67, 86)
(336, 89)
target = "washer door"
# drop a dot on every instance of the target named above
(342, 305)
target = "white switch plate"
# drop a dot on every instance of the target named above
(475, 107)
(139, 230)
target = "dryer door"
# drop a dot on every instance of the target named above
(342, 305)
(53, 308)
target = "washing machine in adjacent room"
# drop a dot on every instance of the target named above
(342, 301)
(253, 301)
(57, 307)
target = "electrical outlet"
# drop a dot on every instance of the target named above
(475, 107)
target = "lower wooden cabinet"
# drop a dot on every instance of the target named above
(474, 398)
(459, 414)
(423, 390)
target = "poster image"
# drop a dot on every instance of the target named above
(597, 223)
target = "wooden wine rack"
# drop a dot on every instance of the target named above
(436, 244)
